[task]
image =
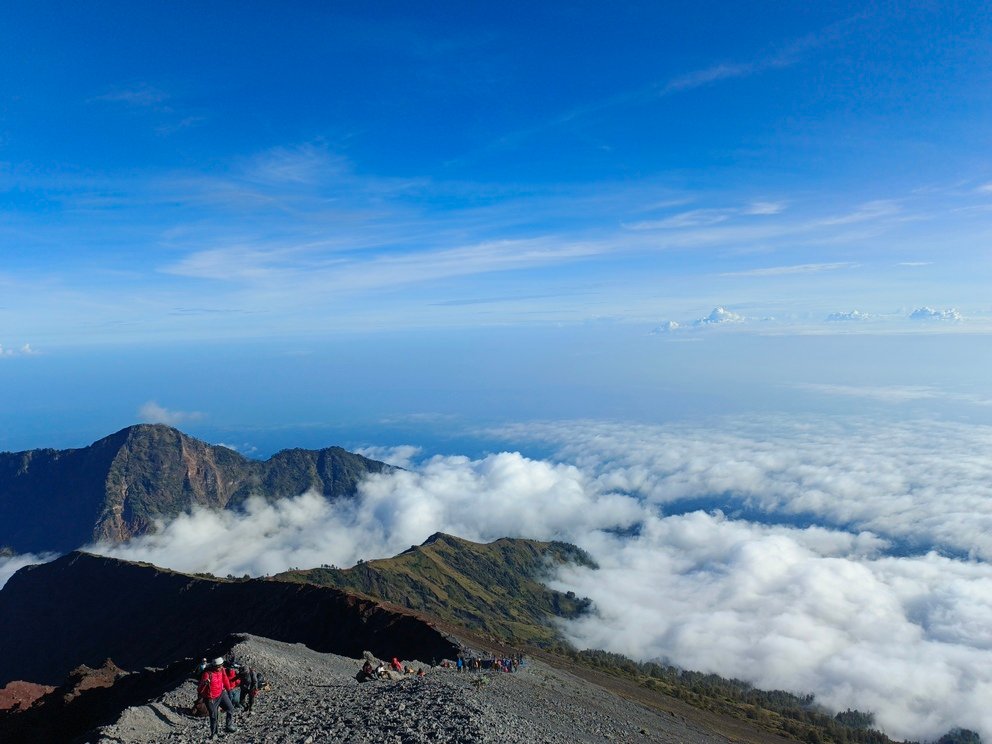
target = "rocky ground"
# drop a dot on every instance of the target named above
(21, 694)
(316, 698)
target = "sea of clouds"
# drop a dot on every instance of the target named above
(835, 556)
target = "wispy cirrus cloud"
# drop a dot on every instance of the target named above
(704, 217)
(349, 274)
(141, 95)
(299, 224)
(785, 56)
(868, 212)
(799, 269)
(887, 393)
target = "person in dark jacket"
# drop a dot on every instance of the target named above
(249, 688)
(214, 686)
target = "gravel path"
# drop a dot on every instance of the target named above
(315, 698)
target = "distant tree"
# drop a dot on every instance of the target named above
(855, 718)
(960, 736)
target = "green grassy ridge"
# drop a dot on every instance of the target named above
(778, 712)
(494, 589)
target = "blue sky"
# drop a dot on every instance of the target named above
(487, 212)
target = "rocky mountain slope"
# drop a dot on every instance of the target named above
(82, 609)
(494, 589)
(315, 698)
(59, 500)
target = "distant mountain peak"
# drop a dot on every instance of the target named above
(117, 487)
(440, 537)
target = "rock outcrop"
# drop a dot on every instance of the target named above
(20, 695)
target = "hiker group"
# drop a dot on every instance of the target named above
(395, 670)
(466, 663)
(225, 684)
(228, 684)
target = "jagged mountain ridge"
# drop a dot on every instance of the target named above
(83, 608)
(494, 589)
(114, 489)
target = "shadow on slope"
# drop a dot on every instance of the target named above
(82, 609)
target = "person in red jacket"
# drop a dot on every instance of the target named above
(235, 692)
(214, 686)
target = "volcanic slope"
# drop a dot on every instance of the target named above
(114, 489)
(315, 698)
(82, 609)
(493, 589)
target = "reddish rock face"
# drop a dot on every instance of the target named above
(83, 678)
(20, 695)
(88, 698)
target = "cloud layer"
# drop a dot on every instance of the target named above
(837, 557)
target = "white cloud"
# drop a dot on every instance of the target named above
(764, 207)
(139, 96)
(669, 326)
(921, 483)
(889, 393)
(402, 456)
(244, 449)
(868, 212)
(907, 638)
(853, 315)
(152, 413)
(704, 217)
(719, 316)
(9, 565)
(814, 268)
(894, 393)
(929, 313)
(692, 218)
(24, 350)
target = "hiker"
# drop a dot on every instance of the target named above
(233, 676)
(248, 680)
(397, 665)
(367, 672)
(199, 707)
(214, 686)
